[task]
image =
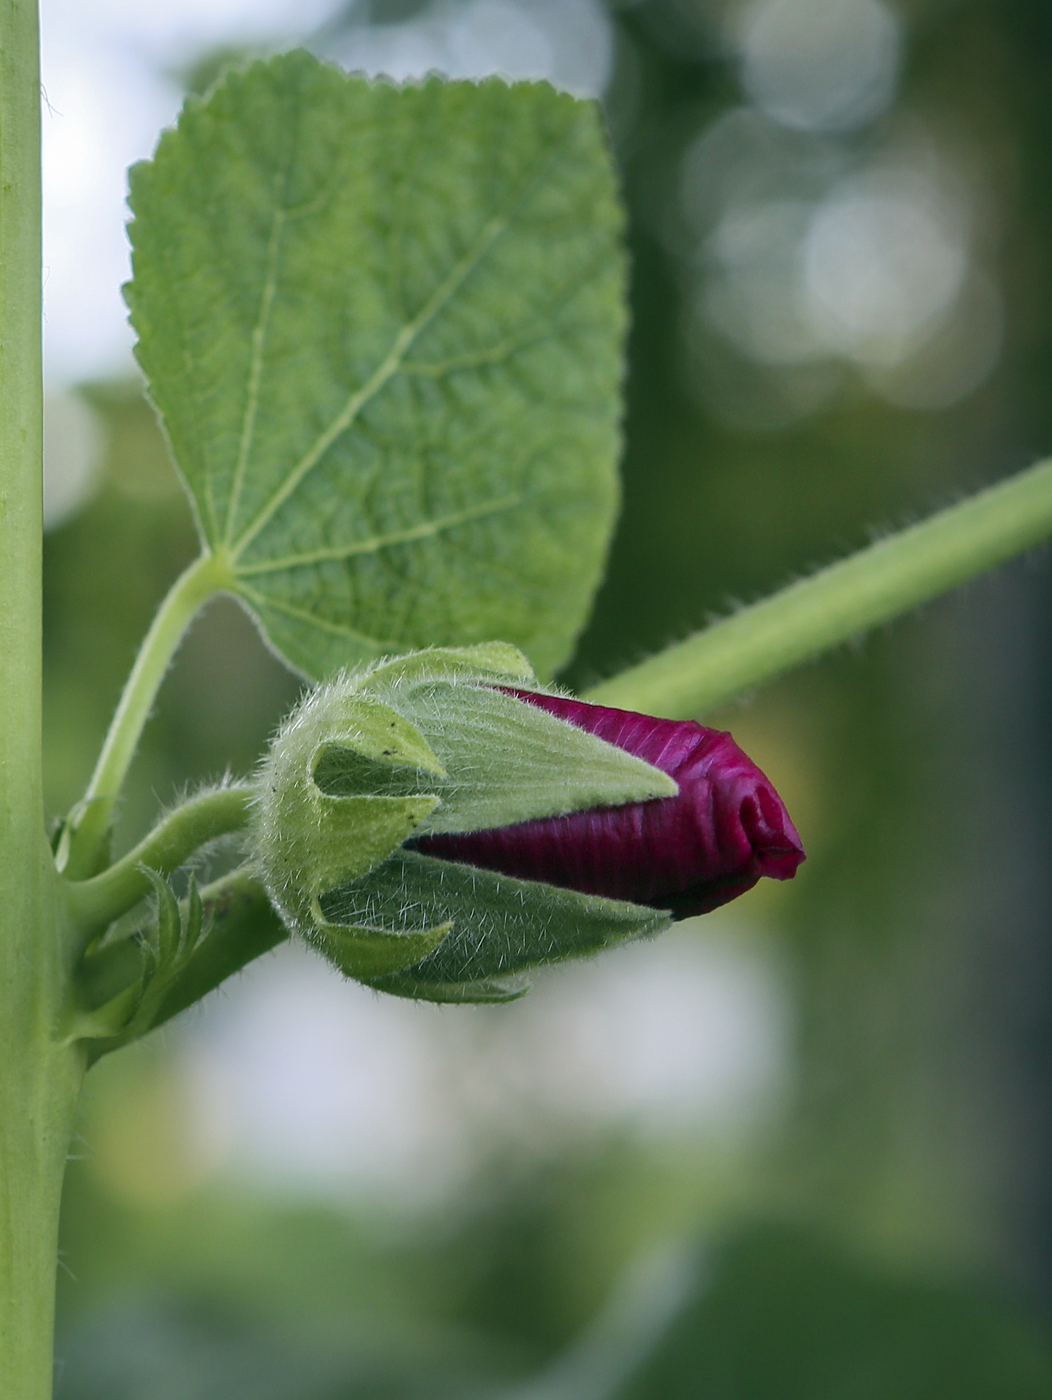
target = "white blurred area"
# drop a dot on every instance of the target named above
(823, 234)
(107, 70)
(569, 42)
(73, 447)
(302, 1081)
(821, 65)
(825, 239)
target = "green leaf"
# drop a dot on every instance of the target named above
(383, 327)
(499, 926)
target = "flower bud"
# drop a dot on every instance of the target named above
(724, 829)
(435, 743)
(435, 826)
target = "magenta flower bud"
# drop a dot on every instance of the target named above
(688, 854)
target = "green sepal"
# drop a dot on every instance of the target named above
(308, 840)
(370, 953)
(327, 841)
(510, 762)
(499, 925)
(488, 661)
(379, 733)
(490, 992)
(354, 834)
(502, 761)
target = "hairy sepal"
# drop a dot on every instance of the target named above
(367, 953)
(499, 927)
(309, 841)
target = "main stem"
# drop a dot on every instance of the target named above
(39, 1078)
(842, 601)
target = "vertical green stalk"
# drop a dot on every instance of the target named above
(39, 1078)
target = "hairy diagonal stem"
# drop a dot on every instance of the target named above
(831, 607)
(206, 576)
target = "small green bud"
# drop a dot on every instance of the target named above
(420, 745)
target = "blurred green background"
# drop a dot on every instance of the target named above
(803, 1147)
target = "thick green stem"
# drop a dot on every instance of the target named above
(38, 1106)
(39, 1078)
(204, 578)
(97, 902)
(38, 1097)
(848, 598)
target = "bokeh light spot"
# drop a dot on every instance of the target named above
(823, 65)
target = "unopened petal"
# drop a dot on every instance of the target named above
(725, 829)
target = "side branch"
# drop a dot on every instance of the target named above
(821, 612)
(95, 903)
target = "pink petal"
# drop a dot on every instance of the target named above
(690, 853)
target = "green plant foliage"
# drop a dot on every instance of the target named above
(383, 328)
(224, 926)
(165, 950)
(497, 926)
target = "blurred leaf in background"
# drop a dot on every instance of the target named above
(783, 1313)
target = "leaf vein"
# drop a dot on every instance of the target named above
(425, 530)
(255, 376)
(260, 600)
(385, 371)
